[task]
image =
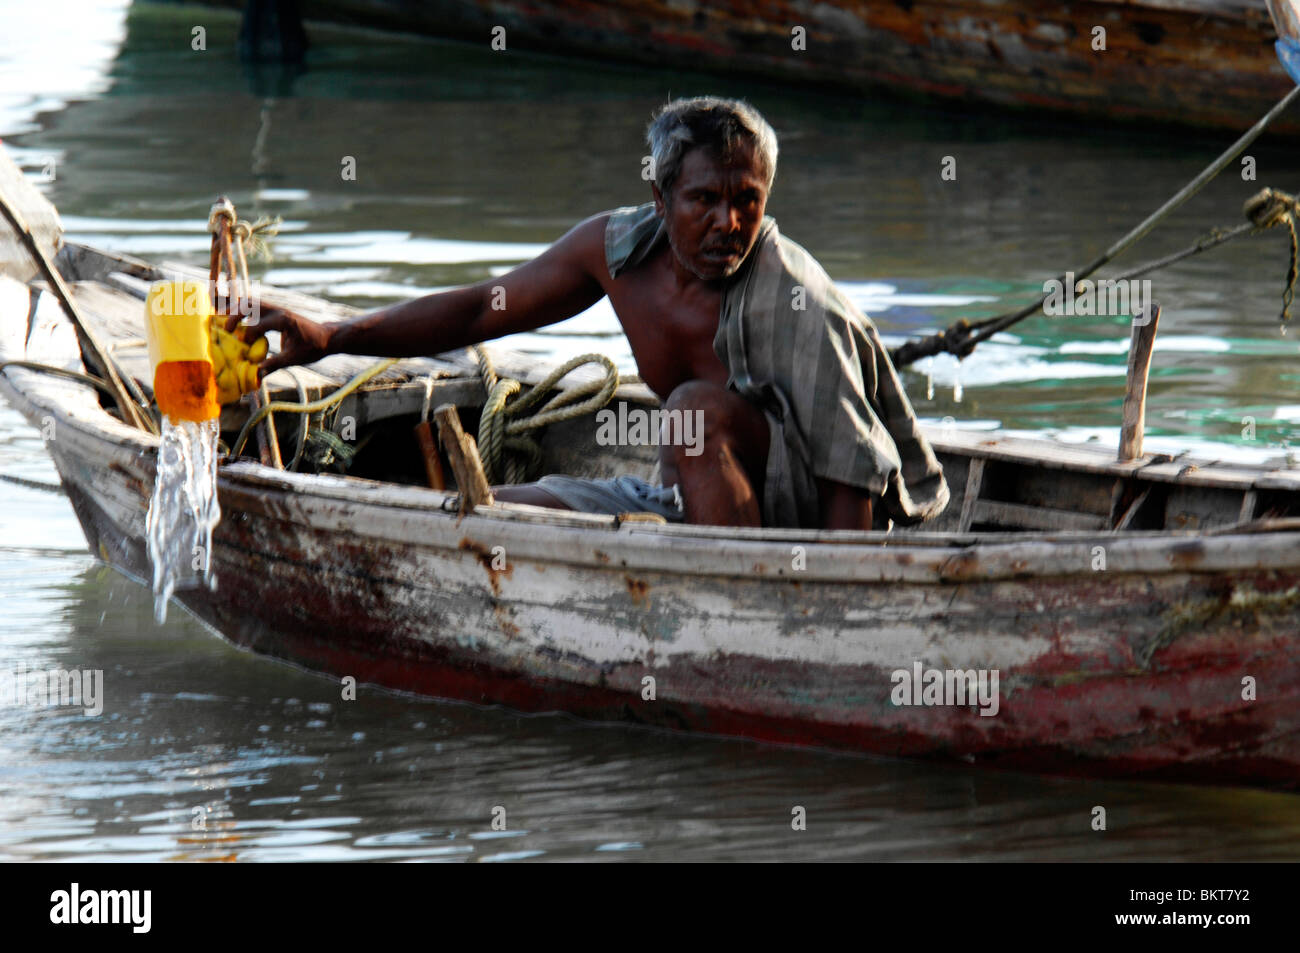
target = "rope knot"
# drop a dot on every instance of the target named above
(221, 208)
(1268, 208)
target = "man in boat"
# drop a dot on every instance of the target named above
(805, 421)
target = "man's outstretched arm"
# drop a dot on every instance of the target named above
(556, 285)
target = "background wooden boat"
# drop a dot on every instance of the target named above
(1133, 669)
(1193, 62)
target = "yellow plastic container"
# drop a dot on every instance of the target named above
(177, 318)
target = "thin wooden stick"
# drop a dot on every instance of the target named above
(123, 397)
(214, 265)
(268, 441)
(1135, 398)
(232, 279)
(222, 260)
(462, 451)
(428, 444)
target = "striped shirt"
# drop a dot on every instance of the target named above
(795, 346)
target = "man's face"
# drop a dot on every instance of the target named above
(715, 211)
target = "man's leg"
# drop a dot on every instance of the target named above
(529, 493)
(721, 475)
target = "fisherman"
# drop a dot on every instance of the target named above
(805, 422)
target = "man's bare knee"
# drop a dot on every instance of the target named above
(717, 416)
(693, 395)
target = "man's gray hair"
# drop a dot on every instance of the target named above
(719, 125)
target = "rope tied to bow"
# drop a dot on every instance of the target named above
(509, 451)
(233, 241)
(1264, 210)
(1269, 208)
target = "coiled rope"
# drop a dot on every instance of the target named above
(509, 453)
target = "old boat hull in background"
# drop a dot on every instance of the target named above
(1134, 669)
(1191, 62)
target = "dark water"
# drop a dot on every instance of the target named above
(469, 161)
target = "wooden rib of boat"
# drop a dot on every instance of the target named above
(1128, 608)
(1193, 62)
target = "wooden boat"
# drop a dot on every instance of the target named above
(1191, 62)
(1144, 617)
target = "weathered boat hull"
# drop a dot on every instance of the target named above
(1202, 62)
(1126, 672)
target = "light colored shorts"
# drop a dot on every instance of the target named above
(624, 494)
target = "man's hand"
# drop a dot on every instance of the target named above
(302, 341)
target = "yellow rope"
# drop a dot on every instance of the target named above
(312, 407)
(508, 451)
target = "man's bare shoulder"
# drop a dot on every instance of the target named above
(584, 244)
(593, 227)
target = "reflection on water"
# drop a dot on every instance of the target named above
(468, 162)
